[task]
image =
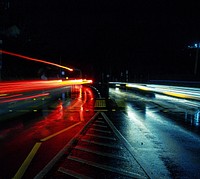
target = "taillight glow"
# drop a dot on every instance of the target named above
(23, 98)
(35, 85)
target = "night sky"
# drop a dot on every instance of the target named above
(147, 37)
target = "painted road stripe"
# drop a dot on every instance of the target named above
(147, 170)
(99, 130)
(72, 173)
(100, 125)
(100, 110)
(102, 122)
(29, 158)
(102, 144)
(100, 136)
(57, 133)
(106, 167)
(100, 103)
(105, 154)
(27, 161)
(49, 166)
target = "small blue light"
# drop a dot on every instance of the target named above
(195, 45)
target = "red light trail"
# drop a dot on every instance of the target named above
(23, 98)
(11, 90)
(34, 59)
(35, 85)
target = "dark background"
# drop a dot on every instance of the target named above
(149, 38)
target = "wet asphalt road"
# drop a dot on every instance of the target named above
(163, 132)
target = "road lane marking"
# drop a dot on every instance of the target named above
(100, 103)
(34, 150)
(72, 173)
(105, 154)
(49, 166)
(137, 158)
(99, 130)
(106, 167)
(27, 161)
(100, 110)
(102, 137)
(100, 125)
(57, 133)
(102, 144)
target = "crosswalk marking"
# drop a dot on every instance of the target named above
(100, 103)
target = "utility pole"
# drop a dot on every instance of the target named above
(126, 75)
(197, 46)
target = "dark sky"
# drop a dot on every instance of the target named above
(143, 36)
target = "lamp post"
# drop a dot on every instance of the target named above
(80, 75)
(196, 46)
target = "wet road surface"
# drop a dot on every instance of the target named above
(159, 137)
(163, 130)
(30, 141)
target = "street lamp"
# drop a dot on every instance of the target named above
(76, 69)
(196, 46)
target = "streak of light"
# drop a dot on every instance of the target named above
(135, 116)
(34, 59)
(3, 95)
(6, 96)
(177, 100)
(154, 116)
(24, 98)
(175, 91)
(33, 85)
(80, 94)
(89, 91)
(84, 101)
(141, 87)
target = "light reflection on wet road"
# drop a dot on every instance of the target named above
(163, 130)
(49, 129)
